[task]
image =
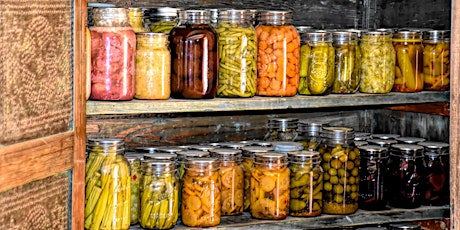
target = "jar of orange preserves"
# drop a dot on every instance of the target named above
(278, 55)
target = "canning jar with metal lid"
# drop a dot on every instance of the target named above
(147, 150)
(409, 140)
(436, 59)
(286, 146)
(278, 55)
(261, 143)
(202, 147)
(136, 20)
(183, 156)
(404, 226)
(170, 149)
(309, 133)
(360, 143)
(384, 136)
(362, 136)
(306, 183)
(134, 161)
(373, 181)
(386, 143)
(161, 156)
(106, 167)
(378, 59)
(437, 172)
(347, 62)
(340, 161)
(281, 129)
(270, 186)
(201, 196)
(233, 145)
(163, 19)
(160, 198)
(406, 171)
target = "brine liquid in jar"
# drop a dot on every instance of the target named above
(347, 62)
(373, 181)
(436, 60)
(134, 161)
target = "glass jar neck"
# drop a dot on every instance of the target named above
(194, 17)
(275, 18)
(153, 40)
(240, 17)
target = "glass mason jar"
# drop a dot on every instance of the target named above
(409, 62)
(193, 44)
(319, 66)
(237, 54)
(201, 196)
(406, 171)
(202, 147)
(404, 226)
(134, 161)
(437, 173)
(309, 133)
(340, 161)
(410, 140)
(373, 181)
(347, 62)
(232, 180)
(286, 146)
(378, 59)
(436, 60)
(147, 150)
(107, 185)
(136, 20)
(160, 199)
(270, 186)
(161, 156)
(153, 66)
(113, 47)
(277, 55)
(306, 183)
(170, 149)
(385, 143)
(385, 136)
(281, 129)
(233, 145)
(362, 136)
(163, 19)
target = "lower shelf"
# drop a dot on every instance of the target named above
(361, 217)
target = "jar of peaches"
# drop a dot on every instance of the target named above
(436, 59)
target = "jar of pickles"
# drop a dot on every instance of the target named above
(277, 54)
(134, 161)
(378, 58)
(281, 129)
(163, 19)
(193, 45)
(237, 54)
(340, 161)
(270, 186)
(107, 185)
(310, 133)
(201, 196)
(406, 173)
(160, 199)
(306, 183)
(373, 179)
(153, 66)
(436, 59)
(347, 62)
(136, 20)
(409, 61)
(113, 47)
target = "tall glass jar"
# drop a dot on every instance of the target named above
(136, 20)
(347, 62)
(193, 45)
(409, 61)
(281, 129)
(306, 183)
(270, 186)
(340, 161)
(277, 54)
(373, 181)
(153, 66)
(309, 133)
(134, 161)
(378, 60)
(237, 54)
(113, 47)
(436, 60)
(107, 185)
(201, 197)
(163, 19)
(160, 199)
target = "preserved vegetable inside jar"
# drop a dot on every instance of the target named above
(281, 129)
(347, 62)
(163, 19)
(309, 133)
(135, 17)
(134, 161)
(304, 55)
(436, 60)
(373, 181)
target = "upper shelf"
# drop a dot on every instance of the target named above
(260, 103)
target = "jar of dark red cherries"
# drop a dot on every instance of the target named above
(372, 171)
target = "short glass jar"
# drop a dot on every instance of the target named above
(373, 179)
(436, 60)
(281, 129)
(347, 62)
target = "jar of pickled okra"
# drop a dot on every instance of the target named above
(347, 62)
(134, 161)
(373, 181)
(281, 129)
(436, 60)
(309, 133)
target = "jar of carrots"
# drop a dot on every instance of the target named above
(278, 54)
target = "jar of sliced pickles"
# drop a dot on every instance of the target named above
(163, 19)
(436, 60)
(277, 54)
(134, 161)
(270, 186)
(201, 196)
(136, 20)
(107, 185)
(373, 179)
(409, 61)
(306, 183)
(281, 129)
(309, 133)
(378, 58)
(347, 62)
(340, 161)
(160, 199)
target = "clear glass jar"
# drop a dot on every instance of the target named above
(113, 47)
(286, 146)
(373, 181)
(436, 60)
(160, 199)
(362, 136)
(163, 19)
(309, 133)
(147, 150)
(409, 140)
(281, 129)
(409, 62)
(136, 20)
(437, 173)
(277, 55)
(306, 183)
(340, 161)
(170, 149)
(319, 53)
(183, 156)
(270, 186)
(406, 172)
(233, 145)
(134, 161)
(106, 167)
(385, 143)
(378, 59)
(385, 136)
(202, 147)
(232, 180)
(193, 45)
(304, 55)
(161, 156)
(347, 62)
(237, 54)
(153, 66)
(201, 196)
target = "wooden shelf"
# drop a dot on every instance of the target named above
(260, 103)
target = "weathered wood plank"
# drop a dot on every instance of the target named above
(440, 108)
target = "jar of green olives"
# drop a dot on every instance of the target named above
(281, 129)
(347, 62)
